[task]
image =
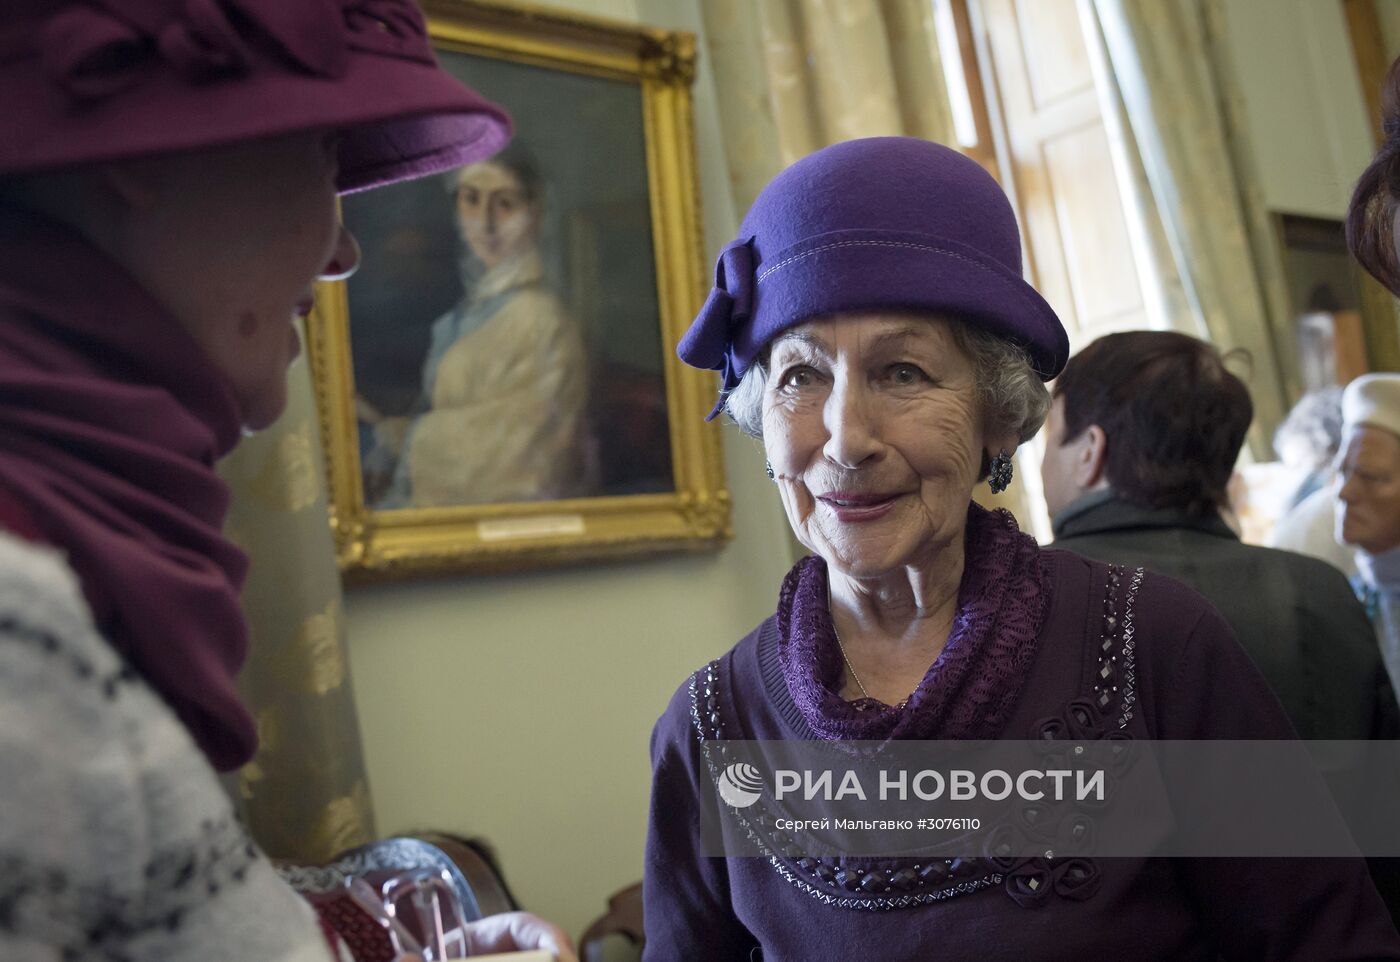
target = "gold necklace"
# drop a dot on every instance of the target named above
(847, 659)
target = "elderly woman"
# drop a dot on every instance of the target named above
(872, 328)
(169, 176)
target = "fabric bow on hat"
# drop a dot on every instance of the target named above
(92, 81)
(709, 343)
(392, 27)
(95, 50)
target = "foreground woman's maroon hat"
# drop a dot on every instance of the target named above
(84, 81)
(886, 223)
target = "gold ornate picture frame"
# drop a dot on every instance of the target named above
(497, 386)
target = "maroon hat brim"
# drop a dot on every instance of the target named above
(401, 118)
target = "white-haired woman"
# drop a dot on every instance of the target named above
(871, 326)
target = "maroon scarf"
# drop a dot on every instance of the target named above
(970, 689)
(111, 419)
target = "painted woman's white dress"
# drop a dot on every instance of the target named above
(505, 383)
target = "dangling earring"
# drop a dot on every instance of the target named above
(768, 470)
(1000, 475)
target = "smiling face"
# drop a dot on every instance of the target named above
(1368, 479)
(497, 217)
(873, 428)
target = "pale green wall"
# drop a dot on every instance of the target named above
(1389, 13)
(1306, 118)
(519, 708)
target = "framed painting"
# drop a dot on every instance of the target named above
(1339, 330)
(497, 384)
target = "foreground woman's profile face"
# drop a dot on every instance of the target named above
(874, 431)
(232, 240)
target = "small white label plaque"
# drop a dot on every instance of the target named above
(545, 526)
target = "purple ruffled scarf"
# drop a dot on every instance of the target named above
(970, 689)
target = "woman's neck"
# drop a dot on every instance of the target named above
(516, 272)
(893, 627)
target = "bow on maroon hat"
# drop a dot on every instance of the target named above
(97, 49)
(709, 343)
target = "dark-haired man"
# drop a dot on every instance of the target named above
(1140, 444)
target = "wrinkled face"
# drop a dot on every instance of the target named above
(232, 240)
(1057, 468)
(1368, 488)
(873, 429)
(497, 218)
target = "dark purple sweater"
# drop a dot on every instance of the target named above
(1192, 681)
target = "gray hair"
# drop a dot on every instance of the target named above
(1011, 395)
(1315, 422)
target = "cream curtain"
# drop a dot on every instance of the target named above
(793, 76)
(1204, 219)
(305, 796)
(1168, 304)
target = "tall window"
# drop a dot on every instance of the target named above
(1036, 78)
(1026, 98)
(958, 49)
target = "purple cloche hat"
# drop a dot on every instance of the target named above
(881, 223)
(85, 81)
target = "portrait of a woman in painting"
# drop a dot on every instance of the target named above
(504, 381)
(498, 377)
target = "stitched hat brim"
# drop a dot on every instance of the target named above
(870, 270)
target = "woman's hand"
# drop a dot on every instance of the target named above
(517, 932)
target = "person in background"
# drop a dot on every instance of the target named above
(1368, 500)
(1307, 441)
(1143, 434)
(168, 197)
(1369, 492)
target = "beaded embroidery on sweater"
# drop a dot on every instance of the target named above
(1002, 605)
(117, 842)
